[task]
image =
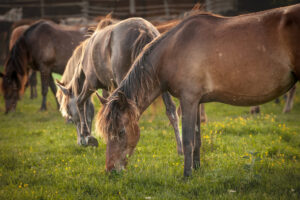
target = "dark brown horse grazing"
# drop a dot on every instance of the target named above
(244, 60)
(15, 35)
(107, 57)
(45, 47)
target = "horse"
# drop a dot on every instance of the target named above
(107, 57)
(44, 46)
(32, 82)
(244, 60)
(73, 69)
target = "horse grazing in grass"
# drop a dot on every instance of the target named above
(32, 82)
(107, 57)
(244, 60)
(44, 46)
(70, 77)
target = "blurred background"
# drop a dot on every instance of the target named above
(73, 12)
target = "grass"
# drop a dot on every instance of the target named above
(242, 157)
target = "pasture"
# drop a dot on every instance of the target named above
(242, 156)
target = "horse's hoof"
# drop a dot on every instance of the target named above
(82, 141)
(43, 109)
(286, 110)
(91, 141)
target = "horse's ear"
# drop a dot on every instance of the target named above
(123, 101)
(63, 88)
(101, 99)
(109, 15)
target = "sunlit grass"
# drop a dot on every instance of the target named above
(242, 157)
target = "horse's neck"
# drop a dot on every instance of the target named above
(142, 106)
(146, 87)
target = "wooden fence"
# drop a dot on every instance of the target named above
(57, 9)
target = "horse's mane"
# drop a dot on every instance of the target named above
(17, 60)
(70, 71)
(74, 73)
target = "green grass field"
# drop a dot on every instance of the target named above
(242, 157)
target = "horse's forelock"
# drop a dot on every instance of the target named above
(64, 100)
(108, 118)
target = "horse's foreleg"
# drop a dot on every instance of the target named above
(197, 140)
(189, 118)
(172, 115)
(289, 102)
(86, 138)
(45, 74)
(53, 89)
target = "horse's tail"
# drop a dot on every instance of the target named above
(141, 41)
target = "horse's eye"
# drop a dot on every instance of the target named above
(122, 132)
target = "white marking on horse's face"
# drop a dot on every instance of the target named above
(220, 54)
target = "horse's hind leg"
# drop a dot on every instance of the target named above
(45, 74)
(33, 82)
(87, 139)
(53, 89)
(189, 118)
(289, 102)
(172, 115)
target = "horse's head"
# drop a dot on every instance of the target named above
(15, 76)
(68, 108)
(12, 87)
(118, 125)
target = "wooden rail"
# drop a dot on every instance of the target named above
(91, 8)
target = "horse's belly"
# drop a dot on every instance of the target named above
(252, 87)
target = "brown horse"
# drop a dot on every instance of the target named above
(32, 82)
(244, 60)
(44, 46)
(107, 57)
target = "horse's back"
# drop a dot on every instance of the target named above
(51, 44)
(227, 57)
(16, 34)
(110, 49)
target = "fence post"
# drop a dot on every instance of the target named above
(132, 7)
(85, 9)
(167, 10)
(42, 9)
